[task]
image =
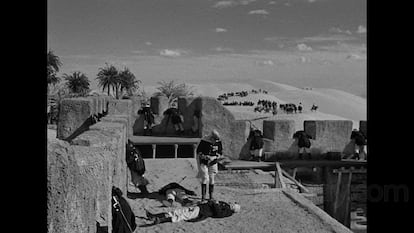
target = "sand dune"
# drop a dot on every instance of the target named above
(333, 104)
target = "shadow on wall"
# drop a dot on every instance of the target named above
(138, 127)
(84, 127)
(164, 128)
(349, 148)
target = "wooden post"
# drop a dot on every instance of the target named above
(328, 190)
(338, 185)
(347, 213)
(302, 188)
(294, 172)
(154, 147)
(195, 150)
(175, 150)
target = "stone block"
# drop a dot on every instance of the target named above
(71, 202)
(216, 116)
(136, 104)
(120, 107)
(187, 106)
(328, 135)
(94, 105)
(123, 119)
(95, 165)
(159, 104)
(239, 145)
(72, 114)
(279, 140)
(117, 146)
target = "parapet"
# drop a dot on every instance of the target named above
(81, 175)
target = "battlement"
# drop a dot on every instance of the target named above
(87, 158)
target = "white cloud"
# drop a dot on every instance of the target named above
(224, 4)
(148, 43)
(361, 29)
(303, 59)
(231, 3)
(246, 2)
(258, 12)
(221, 49)
(137, 52)
(171, 53)
(311, 1)
(272, 2)
(221, 30)
(265, 63)
(304, 47)
(355, 56)
(338, 30)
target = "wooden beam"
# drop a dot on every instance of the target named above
(301, 187)
(279, 177)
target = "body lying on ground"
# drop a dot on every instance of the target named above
(174, 191)
(210, 208)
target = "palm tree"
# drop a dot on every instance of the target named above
(77, 83)
(172, 90)
(107, 77)
(128, 82)
(53, 65)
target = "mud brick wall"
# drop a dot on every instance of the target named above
(73, 113)
(81, 175)
(122, 107)
(159, 104)
(187, 106)
(95, 164)
(117, 145)
(278, 136)
(123, 119)
(71, 204)
(239, 146)
(328, 135)
(213, 116)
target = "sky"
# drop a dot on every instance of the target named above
(319, 43)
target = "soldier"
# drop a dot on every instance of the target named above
(304, 143)
(208, 152)
(148, 118)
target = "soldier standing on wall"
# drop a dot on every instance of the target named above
(148, 118)
(359, 140)
(304, 143)
(256, 145)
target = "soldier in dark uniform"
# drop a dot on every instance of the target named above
(148, 118)
(304, 143)
(359, 140)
